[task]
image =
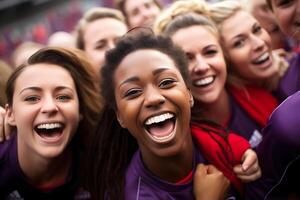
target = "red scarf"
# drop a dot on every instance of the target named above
(257, 102)
(223, 153)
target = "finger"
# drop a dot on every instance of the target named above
(247, 178)
(201, 170)
(212, 169)
(238, 170)
(249, 159)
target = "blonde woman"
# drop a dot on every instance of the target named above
(189, 26)
(248, 50)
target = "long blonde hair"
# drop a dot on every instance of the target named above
(223, 10)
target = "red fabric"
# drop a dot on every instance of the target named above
(257, 102)
(186, 179)
(223, 153)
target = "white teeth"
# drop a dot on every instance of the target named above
(159, 118)
(205, 81)
(262, 57)
(49, 126)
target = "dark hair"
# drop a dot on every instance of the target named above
(82, 73)
(113, 146)
(131, 43)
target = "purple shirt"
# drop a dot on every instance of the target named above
(14, 185)
(290, 82)
(242, 124)
(279, 153)
(141, 184)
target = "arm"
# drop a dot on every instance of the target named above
(210, 183)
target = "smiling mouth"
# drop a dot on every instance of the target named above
(50, 131)
(262, 59)
(204, 82)
(160, 128)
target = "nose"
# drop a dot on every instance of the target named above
(153, 97)
(200, 65)
(49, 105)
(257, 42)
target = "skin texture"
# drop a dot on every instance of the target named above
(206, 61)
(100, 36)
(288, 16)
(266, 18)
(245, 45)
(152, 90)
(210, 183)
(141, 13)
(44, 94)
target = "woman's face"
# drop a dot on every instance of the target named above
(141, 12)
(247, 46)
(100, 36)
(153, 102)
(207, 68)
(45, 110)
(266, 18)
(287, 13)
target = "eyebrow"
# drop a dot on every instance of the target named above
(39, 89)
(135, 78)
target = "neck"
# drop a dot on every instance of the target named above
(172, 168)
(218, 111)
(41, 171)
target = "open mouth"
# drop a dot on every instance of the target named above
(161, 127)
(50, 131)
(265, 57)
(204, 82)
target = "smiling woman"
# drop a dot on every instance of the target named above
(51, 99)
(144, 144)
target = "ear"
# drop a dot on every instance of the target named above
(9, 115)
(120, 120)
(191, 99)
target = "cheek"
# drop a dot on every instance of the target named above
(267, 39)
(238, 57)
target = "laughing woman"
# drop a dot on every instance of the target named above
(248, 52)
(244, 111)
(53, 104)
(281, 154)
(144, 147)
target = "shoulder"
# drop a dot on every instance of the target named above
(7, 148)
(285, 117)
(8, 166)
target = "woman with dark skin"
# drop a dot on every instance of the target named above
(144, 144)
